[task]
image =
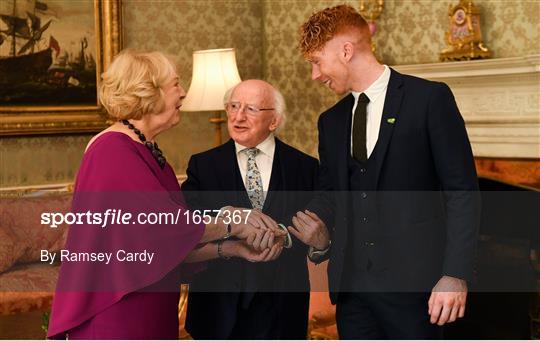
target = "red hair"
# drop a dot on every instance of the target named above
(324, 25)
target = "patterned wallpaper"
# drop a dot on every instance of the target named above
(264, 32)
(40, 160)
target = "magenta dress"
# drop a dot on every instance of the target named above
(123, 297)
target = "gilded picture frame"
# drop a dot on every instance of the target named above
(34, 119)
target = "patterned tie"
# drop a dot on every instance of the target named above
(359, 129)
(254, 180)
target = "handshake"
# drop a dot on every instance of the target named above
(258, 238)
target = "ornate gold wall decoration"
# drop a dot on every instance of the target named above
(464, 36)
(371, 10)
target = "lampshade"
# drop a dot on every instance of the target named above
(214, 72)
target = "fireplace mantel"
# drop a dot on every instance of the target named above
(499, 100)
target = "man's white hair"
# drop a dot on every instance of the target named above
(280, 107)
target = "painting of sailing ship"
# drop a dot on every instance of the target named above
(47, 53)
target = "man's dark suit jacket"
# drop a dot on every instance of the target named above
(214, 181)
(427, 204)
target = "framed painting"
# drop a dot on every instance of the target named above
(52, 54)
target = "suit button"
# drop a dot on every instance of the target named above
(369, 244)
(362, 170)
(364, 195)
(365, 219)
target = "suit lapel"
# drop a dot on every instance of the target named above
(230, 176)
(392, 104)
(343, 138)
(228, 169)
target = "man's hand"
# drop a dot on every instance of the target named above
(267, 240)
(310, 229)
(447, 301)
(243, 250)
(252, 217)
(256, 228)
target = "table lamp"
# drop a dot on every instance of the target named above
(214, 72)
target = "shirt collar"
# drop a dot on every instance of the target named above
(266, 147)
(377, 87)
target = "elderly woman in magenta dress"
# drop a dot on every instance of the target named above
(114, 296)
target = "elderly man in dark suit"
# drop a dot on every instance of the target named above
(233, 298)
(400, 201)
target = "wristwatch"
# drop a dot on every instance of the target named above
(315, 254)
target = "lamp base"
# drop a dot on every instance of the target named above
(217, 120)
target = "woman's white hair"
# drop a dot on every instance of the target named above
(279, 104)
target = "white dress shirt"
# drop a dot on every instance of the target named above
(264, 160)
(376, 93)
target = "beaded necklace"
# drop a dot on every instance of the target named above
(156, 152)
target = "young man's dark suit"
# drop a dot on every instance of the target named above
(225, 300)
(414, 214)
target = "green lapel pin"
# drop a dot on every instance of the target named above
(391, 120)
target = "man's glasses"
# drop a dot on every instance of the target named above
(236, 107)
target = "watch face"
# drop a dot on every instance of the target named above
(459, 16)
